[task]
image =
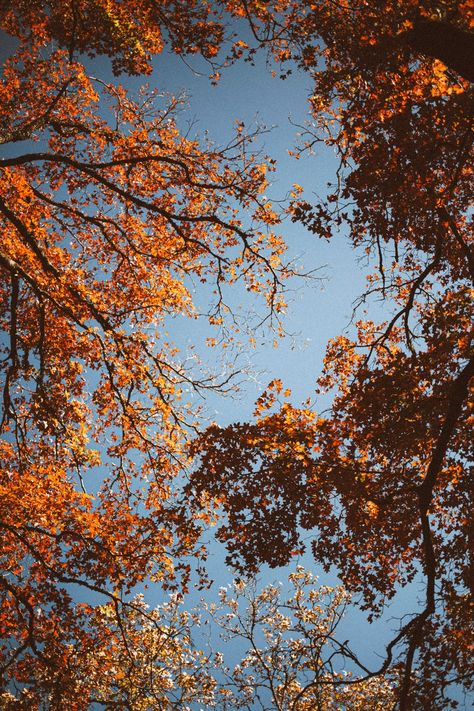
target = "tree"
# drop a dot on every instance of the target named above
(292, 651)
(385, 479)
(108, 216)
(151, 659)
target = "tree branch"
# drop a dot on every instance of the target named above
(441, 40)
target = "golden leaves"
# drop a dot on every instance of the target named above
(442, 83)
(107, 228)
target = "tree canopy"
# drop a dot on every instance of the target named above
(109, 216)
(385, 479)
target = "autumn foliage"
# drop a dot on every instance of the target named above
(385, 479)
(109, 217)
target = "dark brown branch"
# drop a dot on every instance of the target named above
(23, 599)
(25, 131)
(174, 219)
(13, 355)
(48, 267)
(416, 631)
(457, 395)
(12, 266)
(467, 249)
(452, 45)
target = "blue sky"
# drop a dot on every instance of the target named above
(318, 309)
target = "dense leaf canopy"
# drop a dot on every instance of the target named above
(108, 217)
(386, 477)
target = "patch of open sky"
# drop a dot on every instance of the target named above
(321, 308)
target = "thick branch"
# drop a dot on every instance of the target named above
(456, 398)
(453, 46)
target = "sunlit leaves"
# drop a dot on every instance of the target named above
(111, 219)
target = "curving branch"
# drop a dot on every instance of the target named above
(441, 40)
